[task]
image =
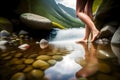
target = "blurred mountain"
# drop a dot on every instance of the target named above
(68, 10)
(49, 9)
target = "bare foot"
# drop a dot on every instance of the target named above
(82, 41)
(95, 35)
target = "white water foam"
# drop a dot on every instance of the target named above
(71, 34)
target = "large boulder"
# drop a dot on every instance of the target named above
(116, 37)
(107, 20)
(107, 12)
(107, 31)
(35, 21)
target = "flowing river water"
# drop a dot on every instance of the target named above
(62, 59)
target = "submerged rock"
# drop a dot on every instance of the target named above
(18, 76)
(40, 64)
(36, 74)
(107, 31)
(43, 57)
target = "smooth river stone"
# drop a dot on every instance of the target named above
(18, 76)
(52, 62)
(35, 74)
(40, 64)
(44, 57)
(57, 57)
(29, 61)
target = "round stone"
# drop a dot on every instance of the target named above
(41, 64)
(44, 57)
(36, 74)
(20, 67)
(29, 61)
(33, 56)
(4, 54)
(28, 69)
(57, 57)
(18, 55)
(52, 62)
(7, 58)
(18, 76)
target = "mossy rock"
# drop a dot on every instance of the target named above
(5, 24)
(57, 25)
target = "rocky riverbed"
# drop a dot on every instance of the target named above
(33, 62)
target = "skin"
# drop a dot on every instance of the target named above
(84, 13)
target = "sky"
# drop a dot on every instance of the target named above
(68, 3)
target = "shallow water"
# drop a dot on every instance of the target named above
(62, 59)
(104, 59)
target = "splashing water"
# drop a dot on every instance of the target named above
(71, 34)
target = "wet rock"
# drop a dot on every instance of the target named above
(99, 41)
(18, 76)
(24, 46)
(57, 57)
(36, 21)
(40, 64)
(44, 57)
(107, 31)
(2, 48)
(116, 51)
(106, 77)
(20, 67)
(29, 61)
(18, 55)
(4, 34)
(23, 32)
(116, 37)
(106, 13)
(104, 51)
(5, 24)
(7, 58)
(28, 69)
(3, 42)
(43, 43)
(33, 56)
(52, 62)
(36, 74)
(104, 68)
(16, 61)
(5, 54)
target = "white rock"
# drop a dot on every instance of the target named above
(24, 46)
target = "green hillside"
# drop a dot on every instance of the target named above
(50, 10)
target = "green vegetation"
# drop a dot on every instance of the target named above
(96, 5)
(56, 25)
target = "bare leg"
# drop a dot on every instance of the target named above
(84, 12)
(87, 20)
(88, 11)
(87, 32)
